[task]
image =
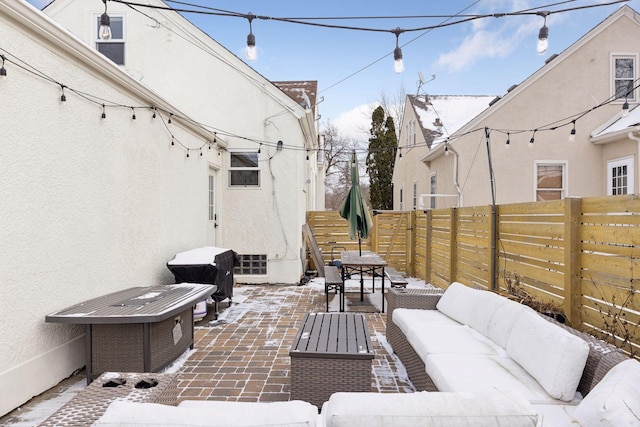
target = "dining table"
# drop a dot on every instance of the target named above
(361, 262)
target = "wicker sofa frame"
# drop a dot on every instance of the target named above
(602, 356)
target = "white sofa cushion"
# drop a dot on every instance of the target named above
(615, 400)
(450, 339)
(503, 320)
(294, 413)
(427, 409)
(408, 318)
(459, 302)
(459, 373)
(554, 357)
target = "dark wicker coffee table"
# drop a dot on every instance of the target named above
(332, 352)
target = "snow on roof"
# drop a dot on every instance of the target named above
(445, 114)
(622, 123)
(301, 91)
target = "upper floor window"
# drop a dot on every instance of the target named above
(244, 170)
(415, 195)
(620, 177)
(433, 188)
(624, 71)
(114, 47)
(550, 181)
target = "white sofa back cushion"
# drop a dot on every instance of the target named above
(553, 356)
(425, 409)
(615, 400)
(294, 413)
(503, 319)
(459, 302)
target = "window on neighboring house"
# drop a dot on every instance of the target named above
(251, 265)
(433, 188)
(401, 206)
(244, 170)
(550, 181)
(620, 177)
(212, 198)
(113, 48)
(624, 76)
(415, 195)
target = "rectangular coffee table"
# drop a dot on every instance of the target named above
(332, 352)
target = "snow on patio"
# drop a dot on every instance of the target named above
(244, 354)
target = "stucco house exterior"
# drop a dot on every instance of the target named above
(427, 121)
(586, 85)
(93, 199)
(270, 175)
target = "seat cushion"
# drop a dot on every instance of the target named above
(427, 409)
(553, 356)
(210, 413)
(408, 318)
(615, 400)
(458, 372)
(451, 339)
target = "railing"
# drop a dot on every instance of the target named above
(577, 258)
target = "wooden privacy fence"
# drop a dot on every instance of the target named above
(575, 257)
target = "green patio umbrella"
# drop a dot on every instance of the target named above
(355, 210)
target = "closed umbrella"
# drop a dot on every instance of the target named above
(354, 209)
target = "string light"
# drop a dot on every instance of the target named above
(625, 108)
(104, 112)
(105, 24)
(3, 71)
(63, 97)
(170, 115)
(398, 64)
(543, 35)
(399, 152)
(172, 140)
(260, 148)
(133, 113)
(508, 143)
(532, 140)
(307, 154)
(279, 146)
(154, 113)
(446, 148)
(572, 135)
(251, 41)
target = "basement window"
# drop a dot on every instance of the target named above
(252, 265)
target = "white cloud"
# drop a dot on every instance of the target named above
(355, 123)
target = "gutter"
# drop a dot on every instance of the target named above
(635, 138)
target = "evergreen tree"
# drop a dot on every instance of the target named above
(383, 144)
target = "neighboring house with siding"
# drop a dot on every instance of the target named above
(427, 121)
(89, 205)
(541, 161)
(265, 187)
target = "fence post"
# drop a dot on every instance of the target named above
(429, 225)
(411, 247)
(572, 256)
(453, 247)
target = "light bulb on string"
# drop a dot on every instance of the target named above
(399, 152)
(3, 71)
(543, 35)
(625, 108)
(154, 113)
(105, 24)
(307, 154)
(251, 52)
(200, 151)
(133, 113)
(446, 148)
(508, 143)
(170, 115)
(572, 134)
(63, 97)
(259, 148)
(172, 140)
(533, 139)
(398, 64)
(104, 112)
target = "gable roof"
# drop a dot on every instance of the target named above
(442, 115)
(551, 63)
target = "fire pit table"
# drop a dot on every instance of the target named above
(141, 329)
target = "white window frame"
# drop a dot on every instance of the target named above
(624, 55)
(615, 163)
(239, 168)
(123, 40)
(433, 186)
(415, 195)
(565, 184)
(401, 201)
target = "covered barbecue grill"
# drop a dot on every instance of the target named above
(209, 265)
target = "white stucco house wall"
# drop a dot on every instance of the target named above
(90, 205)
(260, 213)
(579, 84)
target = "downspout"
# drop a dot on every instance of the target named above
(455, 173)
(633, 137)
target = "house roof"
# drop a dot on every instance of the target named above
(442, 115)
(616, 128)
(304, 92)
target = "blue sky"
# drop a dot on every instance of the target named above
(483, 57)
